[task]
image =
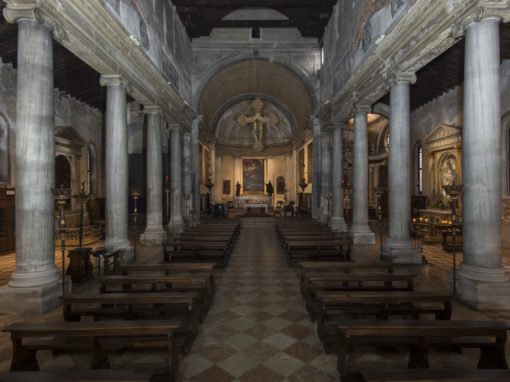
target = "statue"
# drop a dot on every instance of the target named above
(269, 189)
(238, 189)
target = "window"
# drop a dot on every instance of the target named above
(255, 33)
(419, 167)
(387, 141)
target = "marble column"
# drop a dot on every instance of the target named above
(176, 220)
(154, 232)
(116, 166)
(325, 199)
(195, 169)
(186, 175)
(481, 279)
(360, 231)
(33, 287)
(337, 221)
(399, 248)
(316, 176)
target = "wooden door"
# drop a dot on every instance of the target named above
(7, 221)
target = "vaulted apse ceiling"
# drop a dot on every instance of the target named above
(259, 77)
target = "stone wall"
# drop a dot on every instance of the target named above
(161, 35)
(85, 121)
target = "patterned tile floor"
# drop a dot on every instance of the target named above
(257, 328)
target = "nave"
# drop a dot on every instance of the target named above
(258, 328)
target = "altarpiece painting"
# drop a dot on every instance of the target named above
(253, 175)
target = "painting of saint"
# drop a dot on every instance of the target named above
(253, 175)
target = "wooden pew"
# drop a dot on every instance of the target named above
(94, 337)
(419, 336)
(319, 249)
(115, 375)
(444, 375)
(162, 283)
(183, 306)
(315, 283)
(196, 250)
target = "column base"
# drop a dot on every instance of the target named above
(30, 300)
(338, 225)
(153, 236)
(483, 288)
(362, 235)
(401, 252)
(127, 254)
(34, 279)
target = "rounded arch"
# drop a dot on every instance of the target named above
(228, 62)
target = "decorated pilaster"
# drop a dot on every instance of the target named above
(337, 221)
(116, 166)
(360, 231)
(195, 169)
(315, 124)
(482, 281)
(176, 221)
(325, 199)
(399, 248)
(33, 287)
(154, 232)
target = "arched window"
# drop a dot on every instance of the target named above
(4, 149)
(419, 167)
(387, 141)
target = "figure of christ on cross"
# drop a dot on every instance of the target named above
(258, 120)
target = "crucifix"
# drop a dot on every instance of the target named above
(257, 121)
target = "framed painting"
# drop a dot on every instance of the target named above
(226, 187)
(253, 175)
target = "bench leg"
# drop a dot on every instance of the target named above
(418, 357)
(23, 359)
(344, 359)
(99, 357)
(493, 357)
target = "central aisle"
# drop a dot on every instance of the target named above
(257, 329)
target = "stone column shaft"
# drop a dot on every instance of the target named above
(337, 221)
(361, 232)
(195, 168)
(316, 177)
(399, 248)
(116, 165)
(481, 267)
(186, 172)
(325, 199)
(154, 232)
(176, 221)
(35, 157)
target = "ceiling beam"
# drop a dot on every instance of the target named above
(236, 4)
(266, 23)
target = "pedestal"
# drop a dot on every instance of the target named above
(30, 300)
(362, 235)
(153, 236)
(401, 252)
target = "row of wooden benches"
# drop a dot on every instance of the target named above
(139, 306)
(304, 239)
(213, 241)
(359, 305)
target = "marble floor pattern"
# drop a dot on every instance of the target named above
(257, 328)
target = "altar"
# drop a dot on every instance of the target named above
(253, 201)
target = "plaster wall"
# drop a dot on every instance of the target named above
(157, 29)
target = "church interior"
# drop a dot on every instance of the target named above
(254, 190)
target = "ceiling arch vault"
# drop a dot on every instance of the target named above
(282, 90)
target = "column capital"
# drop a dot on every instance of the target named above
(174, 127)
(361, 108)
(151, 109)
(402, 77)
(197, 122)
(499, 11)
(113, 80)
(14, 13)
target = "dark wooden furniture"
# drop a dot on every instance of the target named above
(437, 375)
(195, 250)
(80, 267)
(338, 249)
(128, 375)
(96, 338)
(419, 336)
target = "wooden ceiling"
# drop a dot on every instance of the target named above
(446, 72)
(201, 16)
